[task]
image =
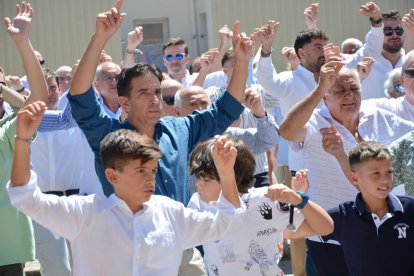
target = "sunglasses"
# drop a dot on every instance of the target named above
(179, 56)
(409, 73)
(389, 31)
(168, 100)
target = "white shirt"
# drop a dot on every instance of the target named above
(399, 106)
(108, 239)
(288, 87)
(373, 85)
(218, 79)
(329, 186)
(252, 250)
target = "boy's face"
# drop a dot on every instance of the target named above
(136, 183)
(208, 189)
(373, 178)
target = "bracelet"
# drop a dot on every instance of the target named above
(28, 141)
(263, 54)
(305, 199)
(375, 22)
(133, 52)
(21, 89)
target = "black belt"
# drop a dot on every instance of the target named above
(64, 193)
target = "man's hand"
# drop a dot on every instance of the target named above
(407, 22)
(135, 37)
(332, 141)
(225, 35)
(300, 181)
(371, 10)
(282, 193)
(330, 51)
(29, 118)
(209, 60)
(107, 23)
(224, 155)
(329, 73)
(242, 45)
(14, 82)
(311, 15)
(255, 37)
(290, 57)
(19, 29)
(267, 34)
(364, 67)
(253, 101)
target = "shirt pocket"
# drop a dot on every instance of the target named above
(159, 244)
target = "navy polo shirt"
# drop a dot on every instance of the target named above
(370, 250)
(176, 137)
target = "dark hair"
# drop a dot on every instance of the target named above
(306, 37)
(394, 15)
(229, 54)
(121, 146)
(368, 151)
(202, 164)
(124, 78)
(175, 41)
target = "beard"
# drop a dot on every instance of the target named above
(393, 49)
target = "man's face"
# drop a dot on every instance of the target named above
(106, 82)
(135, 184)
(314, 56)
(168, 90)
(392, 43)
(344, 98)
(193, 98)
(54, 93)
(208, 189)
(64, 77)
(143, 105)
(407, 79)
(176, 66)
(373, 178)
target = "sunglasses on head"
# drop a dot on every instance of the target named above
(168, 100)
(179, 56)
(389, 31)
(409, 73)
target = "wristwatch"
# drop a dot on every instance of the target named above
(375, 22)
(305, 199)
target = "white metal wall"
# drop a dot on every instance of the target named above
(61, 30)
(340, 18)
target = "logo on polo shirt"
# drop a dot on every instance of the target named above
(265, 210)
(402, 230)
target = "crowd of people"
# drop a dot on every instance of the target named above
(122, 169)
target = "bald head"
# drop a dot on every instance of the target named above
(351, 46)
(105, 78)
(63, 76)
(191, 98)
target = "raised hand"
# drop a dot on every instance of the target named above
(290, 57)
(210, 60)
(225, 35)
(242, 45)
(300, 181)
(371, 10)
(331, 50)
(311, 15)
(19, 28)
(332, 141)
(407, 22)
(224, 155)
(253, 101)
(267, 34)
(364, 67)
(135, 37)
(282, 193)
(329, 73)
(29, 118)
(256, 41)
(14, 82)
(107, 23)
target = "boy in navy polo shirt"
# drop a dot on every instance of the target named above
(376, 230)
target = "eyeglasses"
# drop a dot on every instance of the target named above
(42, 61)
(168, 100)
(64, 78)
(409, 73)
(389, 31)
(179, 56)
(109, 78)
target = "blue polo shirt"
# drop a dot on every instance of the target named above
(372, 246)
(176, 137)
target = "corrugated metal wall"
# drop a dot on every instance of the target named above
(61, 30)
(340, 18)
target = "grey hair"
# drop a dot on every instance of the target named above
(354, 41)
(389, 82)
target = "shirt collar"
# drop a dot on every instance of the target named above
(393, 202)
(363, 113)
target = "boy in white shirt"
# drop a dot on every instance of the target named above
(133, 232)
(252, 249)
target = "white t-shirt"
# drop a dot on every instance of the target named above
(400, 106)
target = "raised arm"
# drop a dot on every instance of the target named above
(135, 37)
(19, 32)
(13, 98)
(407, 23)
(311, 15)
(107, 23)
(209, 60)
(293, 126)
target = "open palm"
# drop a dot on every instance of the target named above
(19, 28)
